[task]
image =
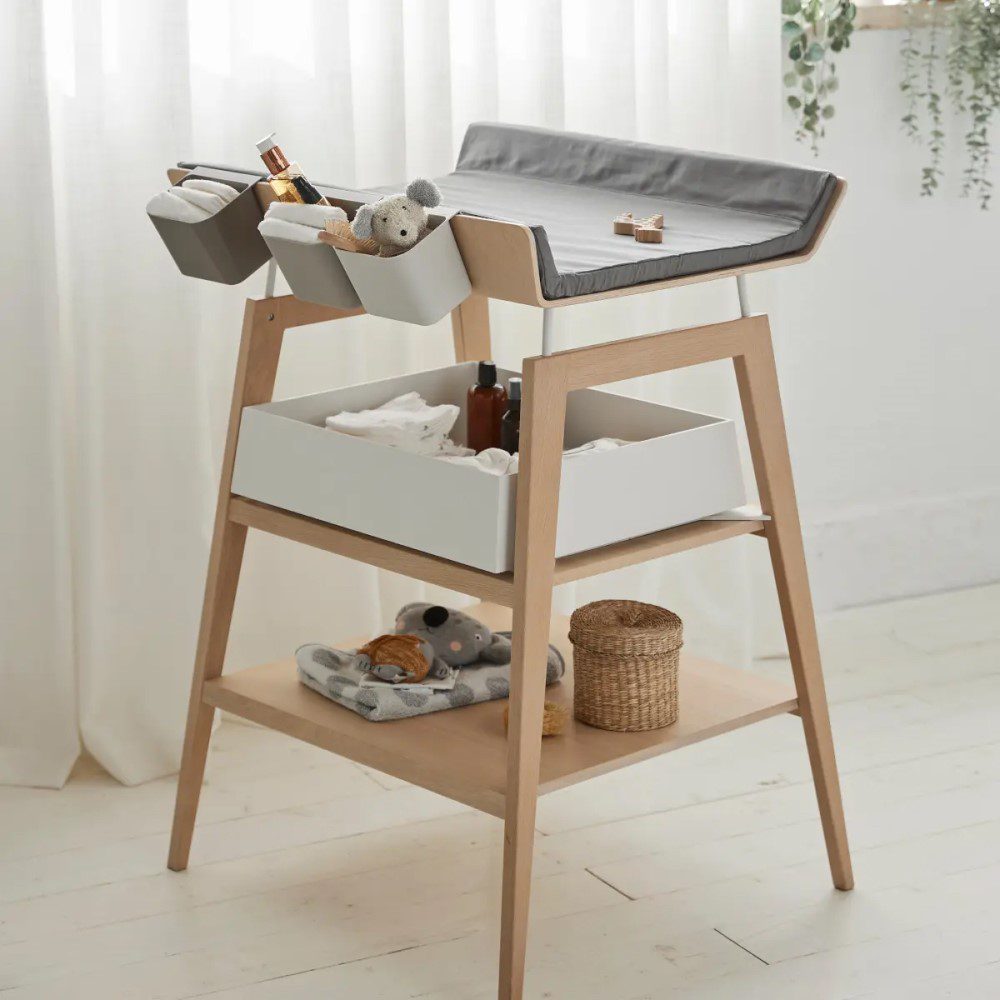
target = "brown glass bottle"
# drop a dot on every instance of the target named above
(510, 426)
(486, 404)
(287, 179)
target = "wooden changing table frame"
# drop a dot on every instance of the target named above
(502, 777)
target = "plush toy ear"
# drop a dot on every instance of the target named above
(498, 651)
(361, 227)
(424, 192)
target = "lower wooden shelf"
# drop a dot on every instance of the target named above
(462, 753)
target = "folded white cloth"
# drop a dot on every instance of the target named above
(305, 215)
(205, 200)
(406, 422)
(495, 461)
(167, 205)
(498, 462)
(224, 191)
(269, 226)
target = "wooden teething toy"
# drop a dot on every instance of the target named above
(624, 225)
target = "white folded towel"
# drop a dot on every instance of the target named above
(305, 215)
(270, 226)
(406, 422)
(166, 205)
(495, 461)
(498, 462)
(224, 191)
(205, 200)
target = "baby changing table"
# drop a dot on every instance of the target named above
(534, 228)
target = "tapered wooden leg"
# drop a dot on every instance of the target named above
(543, 413)
(260, 348)
(758, 384)
(470, 327)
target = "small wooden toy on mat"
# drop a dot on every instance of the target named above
(644, 230)
(553, 721)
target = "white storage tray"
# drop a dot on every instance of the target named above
(683, 466)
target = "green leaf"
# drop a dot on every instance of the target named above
(807, 85)
(815, 52)
(794, 103)
(795, 52)
(790, 79)
(803, 69)
(791, 28)
(828, 111)
(832, 85)
(790, 7)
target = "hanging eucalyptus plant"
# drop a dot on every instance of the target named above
(814, 31)
(961, 42)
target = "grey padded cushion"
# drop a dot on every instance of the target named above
(720, 211)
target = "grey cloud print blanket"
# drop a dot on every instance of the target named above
(335, 674)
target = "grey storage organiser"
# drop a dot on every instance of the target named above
(313, 272)
(225, 247)
(419, 286)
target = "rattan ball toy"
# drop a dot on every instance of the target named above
(553, 721)
(403, 651)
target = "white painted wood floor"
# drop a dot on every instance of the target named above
(700, 875)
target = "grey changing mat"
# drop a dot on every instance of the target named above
(720, 211)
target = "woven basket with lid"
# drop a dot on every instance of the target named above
(625, 659)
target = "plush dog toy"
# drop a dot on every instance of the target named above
(397, 221)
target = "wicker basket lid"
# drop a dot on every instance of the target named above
(626, 628)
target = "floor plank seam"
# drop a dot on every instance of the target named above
(741, 946)
(339, 965)
(621, 892)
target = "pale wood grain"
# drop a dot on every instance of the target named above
(757, 378)
(543, 417)
(470, 327)
(496, 587)
(256, 368)
(463, 754)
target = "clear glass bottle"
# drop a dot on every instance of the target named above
(510, 426)
(287, 179)
(486, 404)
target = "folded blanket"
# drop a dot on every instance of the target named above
(224, 191)
(305, 215)
(336, 674)
(167, 205)
(207, 201)
(285, 230)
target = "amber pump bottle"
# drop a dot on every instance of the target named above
(287, 179)
(486, 404)
(510, 426)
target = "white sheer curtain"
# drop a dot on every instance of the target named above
(116, 370)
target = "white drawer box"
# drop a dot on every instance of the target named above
(683, 466)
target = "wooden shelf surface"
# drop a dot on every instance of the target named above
(462, 753)
(493, 587)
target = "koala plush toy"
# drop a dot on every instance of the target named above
(397, 221)
(456, 638)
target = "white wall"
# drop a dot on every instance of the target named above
(889, 350)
